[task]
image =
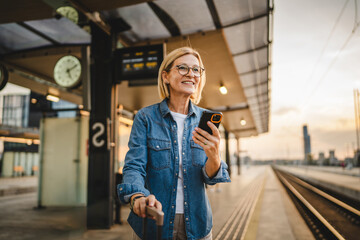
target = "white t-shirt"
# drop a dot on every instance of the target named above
(180, 120)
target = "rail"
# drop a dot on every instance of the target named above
(328, 217)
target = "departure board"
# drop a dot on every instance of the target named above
(138, 63)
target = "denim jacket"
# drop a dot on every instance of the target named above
(152, 167)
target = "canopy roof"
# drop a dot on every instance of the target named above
(233, 36)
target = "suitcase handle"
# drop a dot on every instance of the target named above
(157, 214)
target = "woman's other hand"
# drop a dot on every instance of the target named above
(211, 146)
(140, 204)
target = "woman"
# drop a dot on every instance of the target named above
(169, 159)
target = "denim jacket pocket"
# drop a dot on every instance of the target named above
(159, 153)
(198, 155)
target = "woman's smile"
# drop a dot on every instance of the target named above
(184, 84)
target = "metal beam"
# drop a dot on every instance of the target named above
(32, 74)
(214, 13)
(37, 77)
(252, 50)
(166, 19)
(100, 168)
(244, 129)
(45, 51)
(238, 160)
(256, 85)
(40, 34)
(255, 70)
(95, 17)
(227, 151)
(248, 19)
(5, 49)
(229, 109)
(258, 95)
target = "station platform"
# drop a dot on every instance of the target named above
(271, 214)
(18, 185)
(336, 179)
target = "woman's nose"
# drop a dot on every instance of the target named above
(190, 73)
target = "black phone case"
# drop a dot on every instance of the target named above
(208, 116)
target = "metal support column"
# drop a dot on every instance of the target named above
(227, 151)
(100, 173)
(238, 160)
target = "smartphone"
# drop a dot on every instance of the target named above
(214, 117)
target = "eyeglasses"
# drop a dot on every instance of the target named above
(184, 70)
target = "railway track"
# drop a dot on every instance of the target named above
(328, 217)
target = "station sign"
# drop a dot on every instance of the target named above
(138, 63)
(98, 135)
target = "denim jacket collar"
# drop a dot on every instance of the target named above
(164, 108)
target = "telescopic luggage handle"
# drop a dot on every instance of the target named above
(159, 219)
(158, 214)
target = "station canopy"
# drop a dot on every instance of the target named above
(234, 38)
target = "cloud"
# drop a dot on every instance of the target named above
(346, 122)
(285, 110)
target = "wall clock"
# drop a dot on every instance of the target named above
(69, 12)
(67, 72)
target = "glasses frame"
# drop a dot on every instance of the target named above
(192, 69)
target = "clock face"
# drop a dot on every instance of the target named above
(67, 71)
(70, 13)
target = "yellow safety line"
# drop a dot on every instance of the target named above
(246, 215)
(253, 208)
(240, 217)
(234, 214)
(239, 207)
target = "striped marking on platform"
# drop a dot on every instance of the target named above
(236, 226)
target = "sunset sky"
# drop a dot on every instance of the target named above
(312, 80)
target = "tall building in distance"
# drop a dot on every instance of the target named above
(321, 159)
(307, 144)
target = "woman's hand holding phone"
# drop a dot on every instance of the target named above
(211, 145)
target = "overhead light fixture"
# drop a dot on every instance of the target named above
(33, 100)
(20, 140)
(52, 98)
(242, 122)
(84, 113)
(223, 90)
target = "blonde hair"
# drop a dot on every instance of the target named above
(167, 64)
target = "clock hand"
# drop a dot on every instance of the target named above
(68, 72)
(72, 67)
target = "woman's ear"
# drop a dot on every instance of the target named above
(165, 77)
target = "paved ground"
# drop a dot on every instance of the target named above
(277, 217)
(17, 185)
(19, 219)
